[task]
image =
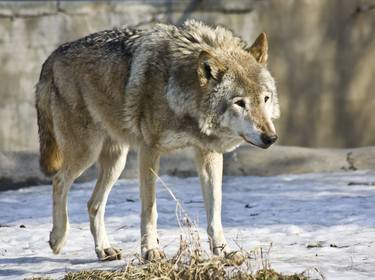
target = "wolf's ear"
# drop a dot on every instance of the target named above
(259, 49)
(209, 68)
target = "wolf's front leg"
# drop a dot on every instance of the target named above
(210, 169)
(149, 159)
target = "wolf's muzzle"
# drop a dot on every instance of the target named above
(268, 139)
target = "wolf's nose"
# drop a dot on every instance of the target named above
(268, 139)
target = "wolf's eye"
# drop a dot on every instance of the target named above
(266, 99)
(240, 103)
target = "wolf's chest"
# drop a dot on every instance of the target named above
(171, 140)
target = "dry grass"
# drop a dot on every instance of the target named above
(188, 264)
(209, 275)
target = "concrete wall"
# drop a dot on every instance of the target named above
(322, 55)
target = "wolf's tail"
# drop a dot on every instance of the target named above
(50, 156)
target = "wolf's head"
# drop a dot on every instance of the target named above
(238, 93)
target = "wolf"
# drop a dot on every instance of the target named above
(157, 89)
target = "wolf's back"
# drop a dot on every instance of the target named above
(50, 156)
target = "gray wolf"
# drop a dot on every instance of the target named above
(157, 89)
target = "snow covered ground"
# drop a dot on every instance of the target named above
(334, 213)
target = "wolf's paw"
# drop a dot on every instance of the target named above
(108, 254)
(220, 250)
(57, 240)
(235, 258)
(154, 254)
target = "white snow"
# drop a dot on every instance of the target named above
(289, 211)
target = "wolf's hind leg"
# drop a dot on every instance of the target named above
(75, 162)
(61, 184)
(112, 161)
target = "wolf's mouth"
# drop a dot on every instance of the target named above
(252, 143)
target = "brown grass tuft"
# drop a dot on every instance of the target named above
(188, 264)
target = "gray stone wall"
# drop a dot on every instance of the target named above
(322, 54)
